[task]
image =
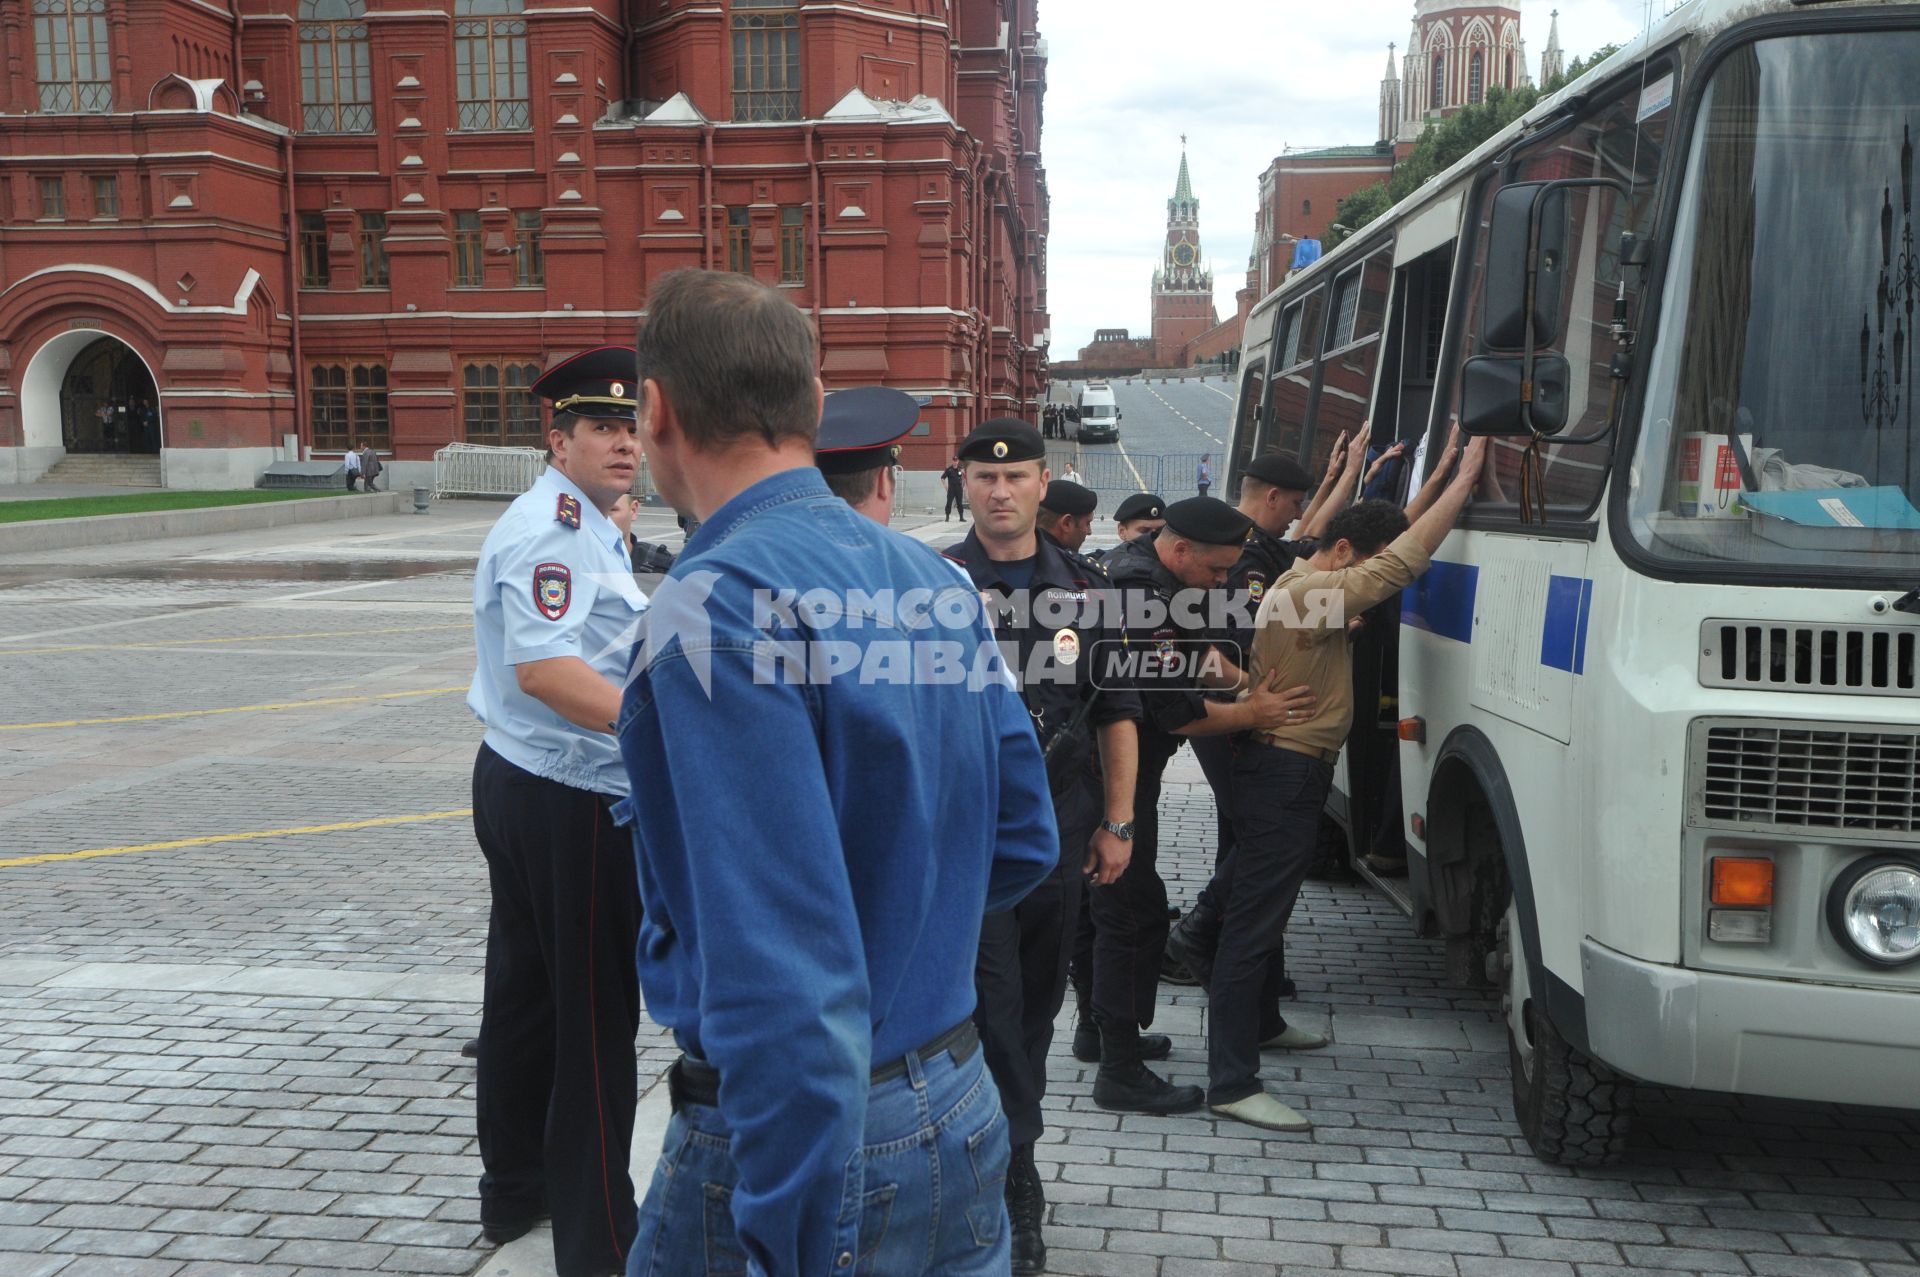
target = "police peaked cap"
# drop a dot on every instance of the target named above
(1003, 439)
(1064, 496)
(594, 383)
(1141, 505)
(859, 427)
(1281, 471)
(1208, 520)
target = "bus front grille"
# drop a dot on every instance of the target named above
(1847, 660)
(1842, 778)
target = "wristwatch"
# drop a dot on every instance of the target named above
(1120, 830)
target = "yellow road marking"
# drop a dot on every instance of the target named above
(209, 839)
(230, 709)
(237, 638)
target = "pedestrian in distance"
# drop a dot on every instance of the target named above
(818, 847)
(1055, 614)
(1203, 474)
(352, 462)
(1283, 772)
(956, 490)
(370, 466)
(1072, 475)
(555, 609)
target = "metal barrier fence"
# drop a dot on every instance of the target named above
(1118, 475)
(474, 470)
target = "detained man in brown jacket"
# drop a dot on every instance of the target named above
(1281, 775)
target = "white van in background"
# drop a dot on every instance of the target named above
(1099, 414)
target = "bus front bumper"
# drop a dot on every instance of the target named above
(1706, 1030)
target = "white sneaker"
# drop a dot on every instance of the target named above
(1293, 1038)
(1261, 1109)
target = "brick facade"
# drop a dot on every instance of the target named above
(417, 203)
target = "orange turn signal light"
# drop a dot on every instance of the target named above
(1414, 729)
(1742, 881)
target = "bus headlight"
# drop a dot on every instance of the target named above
(1874, 910)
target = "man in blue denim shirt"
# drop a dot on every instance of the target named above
(827, 815)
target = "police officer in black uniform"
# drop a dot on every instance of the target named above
(1167, 629)
(1273, 492)
(1066, 513)
(1056, 619)
(858, 443)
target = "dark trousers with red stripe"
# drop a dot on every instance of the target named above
(557, 1084)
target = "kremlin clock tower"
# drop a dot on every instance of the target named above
(1182, 291)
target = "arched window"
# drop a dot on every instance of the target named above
(1438, 97)
(336, 89)
(1306, 208)
(71, 61)
(1477, 76)
(490, 64)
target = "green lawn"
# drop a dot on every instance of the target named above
(142, 502)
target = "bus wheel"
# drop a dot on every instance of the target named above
(1574, 1110)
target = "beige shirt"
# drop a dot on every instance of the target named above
(1301, 630)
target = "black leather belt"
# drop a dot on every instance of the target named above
(692, 1081)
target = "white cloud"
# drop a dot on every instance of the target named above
(1243, 79)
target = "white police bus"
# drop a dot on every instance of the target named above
(1658, 717)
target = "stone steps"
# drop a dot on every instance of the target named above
(106, 470)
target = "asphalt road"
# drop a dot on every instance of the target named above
(1165, 428)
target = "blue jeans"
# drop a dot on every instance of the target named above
(931, 1198)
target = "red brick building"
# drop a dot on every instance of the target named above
(411, 206)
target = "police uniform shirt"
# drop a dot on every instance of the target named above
(1071, 609)
(553, 580)
(1170, 698)
(1266, 559)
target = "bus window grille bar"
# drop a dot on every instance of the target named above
(1859, 660)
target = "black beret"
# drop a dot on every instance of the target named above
(1064, 496)
(1003, 439)
(594, 383)
(1141, 505)
(1208, 520)
(1282, 471)
(859, 427)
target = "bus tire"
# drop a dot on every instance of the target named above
(1574, 1110)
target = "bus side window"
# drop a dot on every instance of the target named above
(1247, 426)
(1604, 145)
(1352, 354)
(1292, 392)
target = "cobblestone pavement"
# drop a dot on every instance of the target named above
(241, 927)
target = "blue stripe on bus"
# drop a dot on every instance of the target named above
(1563, 639)
(1441, 601)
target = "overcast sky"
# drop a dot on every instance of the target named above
(1244, 79)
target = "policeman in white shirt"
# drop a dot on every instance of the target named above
(555, 611)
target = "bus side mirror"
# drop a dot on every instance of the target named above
(1521, 266)
(1495, 395)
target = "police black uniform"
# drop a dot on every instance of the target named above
(1130, 917)
(859, 428)
(1052, 628)
(1266, 558)
(556, 1086)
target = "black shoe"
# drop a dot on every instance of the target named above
(1086, 1044)
(471, 1048)
(499, 1234)
(1174, 971)
(1194, 940)
(1026, 1211)
(1125, 1085)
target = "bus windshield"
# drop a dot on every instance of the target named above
(1781, 423)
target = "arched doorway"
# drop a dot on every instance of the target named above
(108, 402)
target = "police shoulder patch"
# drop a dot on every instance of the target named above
(552, 590)
(569, 511)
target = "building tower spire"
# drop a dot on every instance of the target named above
(1390, 99)
(1553, 63)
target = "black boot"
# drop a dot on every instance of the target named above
(1195, 939)
(1086, 1034)
(1026, 1210)
(1126, 1085)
